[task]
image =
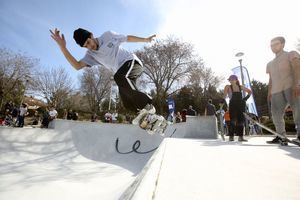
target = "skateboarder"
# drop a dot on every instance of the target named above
(106, 51)
(284, 87)
(236, 107)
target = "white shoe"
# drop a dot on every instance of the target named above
(142, 113)
(151, 109)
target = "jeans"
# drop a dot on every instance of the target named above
(279, 102)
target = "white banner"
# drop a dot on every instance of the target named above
(247, 83)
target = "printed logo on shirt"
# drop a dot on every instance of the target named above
(110, 45)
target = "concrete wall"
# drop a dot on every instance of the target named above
(204, 127)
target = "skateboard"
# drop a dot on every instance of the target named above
(272, 131)
(153, 123)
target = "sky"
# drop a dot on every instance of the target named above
(217, 29)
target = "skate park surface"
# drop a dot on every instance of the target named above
(84, 160)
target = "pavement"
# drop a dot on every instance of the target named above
(212, 169)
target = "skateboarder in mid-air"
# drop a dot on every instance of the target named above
(106, 51)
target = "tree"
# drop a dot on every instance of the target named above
(260, 94)
(203, 78)
(96, 83)
(183, 98)
(15, 70)
(204, 85)
(54, 85)
(166, 62)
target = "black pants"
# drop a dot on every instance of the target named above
(126, 78)
(236, 109)
(21, 121)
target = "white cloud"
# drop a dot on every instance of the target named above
(220, 29)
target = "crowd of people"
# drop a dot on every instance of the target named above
(14, 116)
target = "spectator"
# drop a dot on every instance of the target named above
(237, 104)
(45, 120)
(191, 111)
(178, 118)
(36, 118)
(284, 88)
(183, 115)
(8, 121)
(227, 122)
(23, 113)
(65, 114)
(8, 106)
(75, 116)
(15, 114)
(220, 114)
(210, 109)
(70, 115)
(94, 117)
(107, 117)
(52, 117)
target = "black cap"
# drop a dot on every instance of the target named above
(80, 36)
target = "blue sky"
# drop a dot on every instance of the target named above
(218, 29)
(25, 25)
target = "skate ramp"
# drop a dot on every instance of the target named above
(124, 145)
(204, 127)
(77, 160)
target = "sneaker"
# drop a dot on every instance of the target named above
(142, 113)
(150, 108)
(241, 139)
(231, 138)
(283, 142)
(276, 140)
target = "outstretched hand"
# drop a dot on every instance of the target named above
(60, 39)
(149, 39)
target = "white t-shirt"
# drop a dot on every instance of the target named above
(108, 116)
(53, 113)
(109, 54)
(23, 111)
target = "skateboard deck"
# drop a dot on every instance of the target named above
(271, 131)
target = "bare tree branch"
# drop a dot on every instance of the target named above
(95, 85)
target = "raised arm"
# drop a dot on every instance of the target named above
(60, 40)
(132, 38)
(249, 92)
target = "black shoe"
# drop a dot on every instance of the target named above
(231, 138)
(276, 140)
(241, 139)
(283, 142)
